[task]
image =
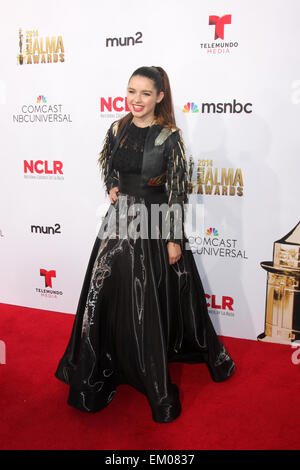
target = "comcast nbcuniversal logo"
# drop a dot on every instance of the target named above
(214, 244)
(40, 110)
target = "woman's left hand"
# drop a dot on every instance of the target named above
(174, 250)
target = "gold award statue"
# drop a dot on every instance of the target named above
(282, 319)
(20, 57)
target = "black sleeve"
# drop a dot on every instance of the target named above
(177, 182)
(110, 178)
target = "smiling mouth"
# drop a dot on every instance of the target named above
(137, 108)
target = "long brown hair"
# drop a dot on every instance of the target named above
(164, 111)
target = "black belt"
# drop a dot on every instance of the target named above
(130, 183)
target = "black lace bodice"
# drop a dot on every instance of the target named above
(129, 155)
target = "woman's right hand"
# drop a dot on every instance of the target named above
(113, 194)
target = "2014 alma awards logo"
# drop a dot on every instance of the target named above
(34, 49)
(214, 181)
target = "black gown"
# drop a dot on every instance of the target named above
(137, 312)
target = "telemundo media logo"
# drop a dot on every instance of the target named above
(219, 45)
(48, 291)
(219, 22)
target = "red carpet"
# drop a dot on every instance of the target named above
(257, 408)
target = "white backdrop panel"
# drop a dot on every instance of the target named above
(262, 69)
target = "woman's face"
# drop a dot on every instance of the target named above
(142, 98)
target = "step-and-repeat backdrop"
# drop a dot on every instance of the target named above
(235, 76)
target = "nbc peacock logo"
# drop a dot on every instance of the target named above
(41, 99)
(190, 108)
(212, 232)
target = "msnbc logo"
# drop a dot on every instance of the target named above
(190, 108)
(41, 99)
(212, 231)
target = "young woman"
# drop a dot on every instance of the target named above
(142, 303)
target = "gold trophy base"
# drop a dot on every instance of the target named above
(273, 334)
(271, 339)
